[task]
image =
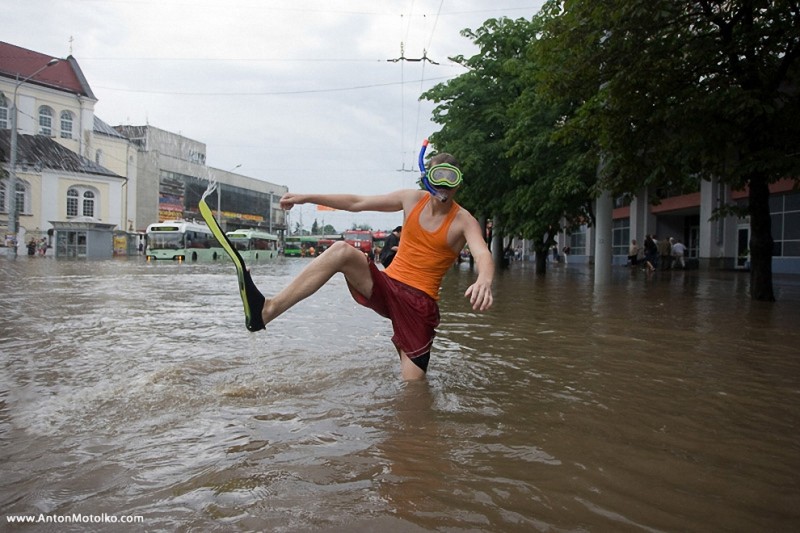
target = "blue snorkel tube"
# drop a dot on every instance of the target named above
(424, 174)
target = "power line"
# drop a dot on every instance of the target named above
(402, 57)
(239, 59)
(422, 79)
(268, 93)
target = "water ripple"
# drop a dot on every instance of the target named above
(665, 403)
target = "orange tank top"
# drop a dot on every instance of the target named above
(423, 257)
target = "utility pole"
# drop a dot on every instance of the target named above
(11, 192)
(219, 197)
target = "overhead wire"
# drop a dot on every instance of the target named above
(422, 77)
(260, 93)
(402, 87)
(402, 60)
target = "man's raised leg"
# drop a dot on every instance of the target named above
(341, 257)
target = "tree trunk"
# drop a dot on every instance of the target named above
(497, 243)
(760, 242)
(541, 259)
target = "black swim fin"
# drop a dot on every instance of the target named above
(252, 299)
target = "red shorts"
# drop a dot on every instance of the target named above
(413, 313)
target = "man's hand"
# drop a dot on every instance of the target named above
(289, 200)
(480, 295)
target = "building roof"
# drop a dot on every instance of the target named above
(105, 129)
(42, 152)
(17, 63)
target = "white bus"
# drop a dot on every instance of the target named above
(182, 240)
(254, 245)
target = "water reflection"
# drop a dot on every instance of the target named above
(659, 403)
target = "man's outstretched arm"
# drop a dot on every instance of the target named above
(480, 292)
(392, 201)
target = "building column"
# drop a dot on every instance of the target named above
(717, 238)
(642, 221)
(604, 206)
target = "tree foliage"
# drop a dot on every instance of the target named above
(676, 90)
(668, 93)
(473, 111)
(501, 131)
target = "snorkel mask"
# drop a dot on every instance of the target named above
(443, 175)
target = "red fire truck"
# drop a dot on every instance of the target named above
(361, 239)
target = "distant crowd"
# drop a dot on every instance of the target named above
(665, 254)
(39, 246)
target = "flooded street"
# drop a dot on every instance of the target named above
(668, 402)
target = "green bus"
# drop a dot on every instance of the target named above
(308, 245)
(292, 247)
(180, 240)
(254, 245)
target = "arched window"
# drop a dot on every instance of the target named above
(5, 122)
(22, 197)
(45, 121)
(88, 204)
(66, 125)
(72, 203)
(81, 201)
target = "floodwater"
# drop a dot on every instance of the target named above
(668, 402)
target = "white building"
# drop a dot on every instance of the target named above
(72, 166)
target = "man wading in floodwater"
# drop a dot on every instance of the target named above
(434, 232)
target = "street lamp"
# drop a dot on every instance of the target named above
(269, 212)
(219, 197)
(11, 192)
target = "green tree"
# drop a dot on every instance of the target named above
(361, 227)
(503, 133)
(552, 175)
(676, 90)
(473, 112)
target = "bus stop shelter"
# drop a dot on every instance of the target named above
(84, 237)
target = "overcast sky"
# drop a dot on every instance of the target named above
(299, 93)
